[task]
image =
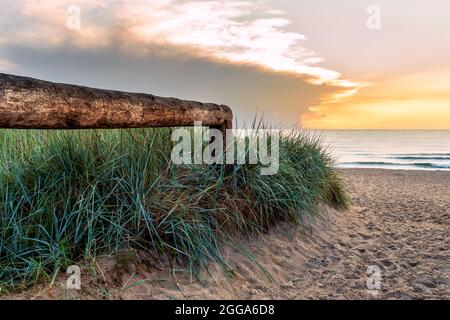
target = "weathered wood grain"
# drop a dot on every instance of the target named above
(27, 103)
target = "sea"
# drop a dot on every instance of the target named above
(393, 149)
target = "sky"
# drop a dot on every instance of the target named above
(326, 64)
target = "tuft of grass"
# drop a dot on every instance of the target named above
(69, 195)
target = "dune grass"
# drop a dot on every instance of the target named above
(65, 196)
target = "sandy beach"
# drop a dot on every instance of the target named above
(398, 221)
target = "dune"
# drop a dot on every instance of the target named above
(399, 221)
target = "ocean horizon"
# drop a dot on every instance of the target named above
(389, 149)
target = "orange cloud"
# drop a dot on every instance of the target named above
(236, 32)
(412, 101)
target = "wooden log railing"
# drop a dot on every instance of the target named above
(27, 103)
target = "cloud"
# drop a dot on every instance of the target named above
(414, 100)
(229, 31)
(261, 65)
(224, 30)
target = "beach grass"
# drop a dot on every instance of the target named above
(71, 195)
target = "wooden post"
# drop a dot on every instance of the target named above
(27, 103)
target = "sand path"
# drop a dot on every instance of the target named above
(399, 221)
